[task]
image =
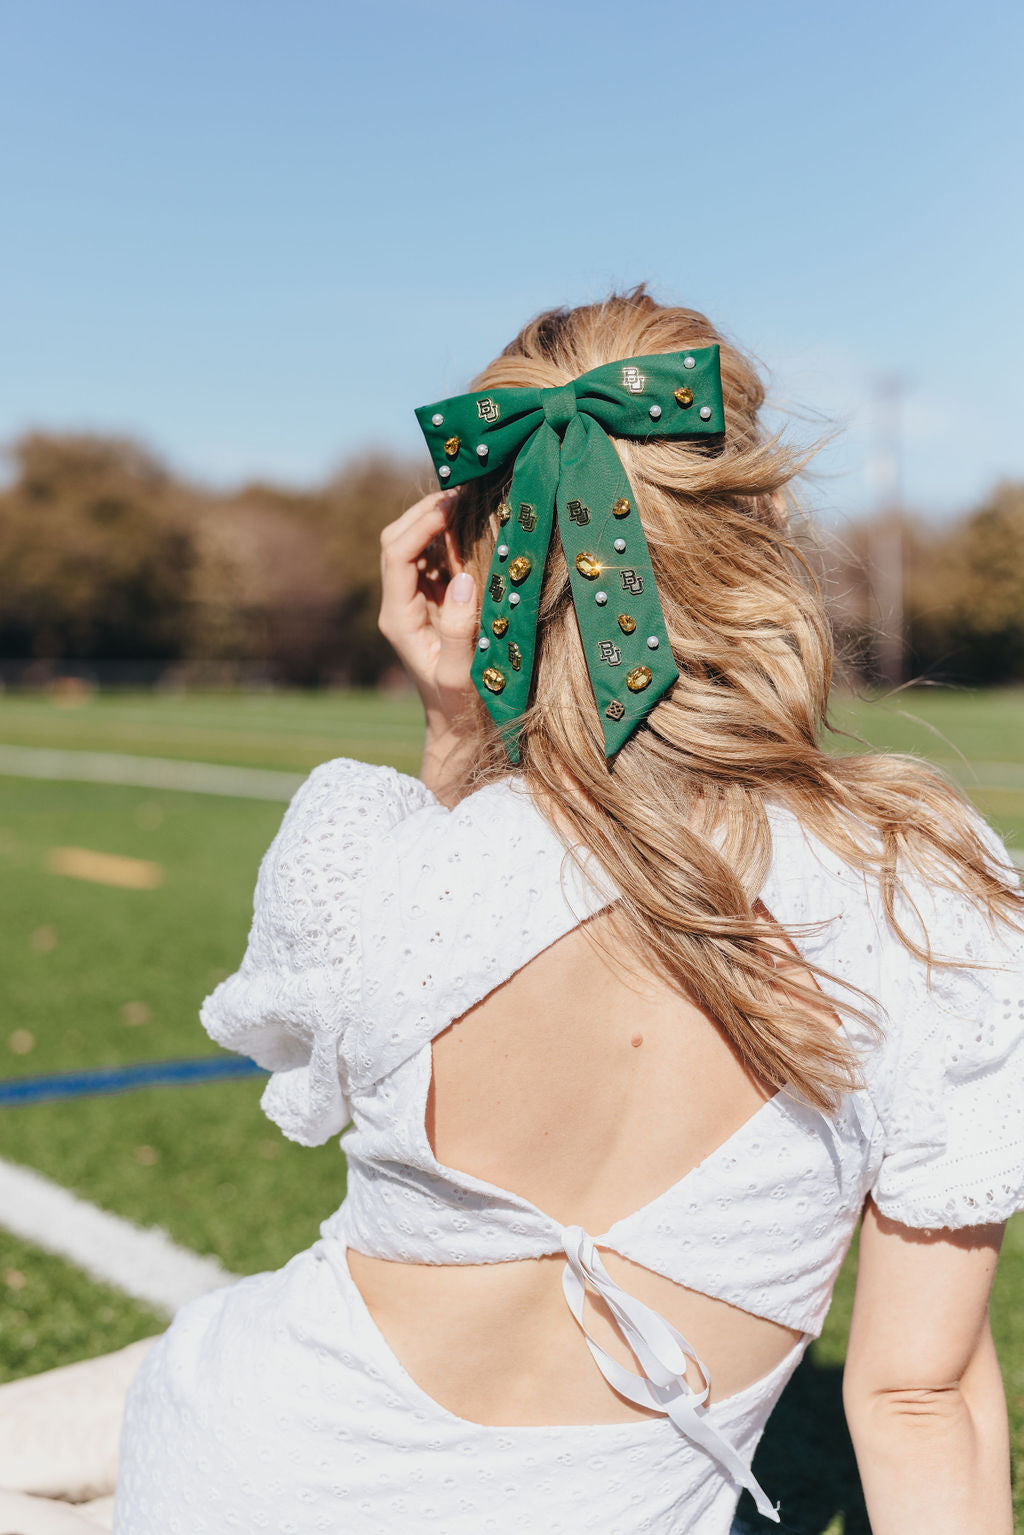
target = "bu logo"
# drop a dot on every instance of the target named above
(487, 410)
(633, 380)
(609, 652)
(578, 513)
(631, 582)
(496, 587)
(527, 518)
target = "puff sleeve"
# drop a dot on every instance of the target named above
(297, 989)
(952, 1096)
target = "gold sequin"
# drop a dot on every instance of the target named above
(451, 447)
(520, 568)
(684, 396)
(515, 656)
(504, 512)
(615, 710)
(639, 678)
(627, 623)
(494, 681)
(499, 626)
(622, 507)
(588, 566)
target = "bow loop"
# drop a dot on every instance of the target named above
(565, 470)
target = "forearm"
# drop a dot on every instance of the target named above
(936, 1461)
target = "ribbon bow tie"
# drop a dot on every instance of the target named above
(564, 466)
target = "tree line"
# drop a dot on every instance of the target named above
(116, 568)
(962, 586)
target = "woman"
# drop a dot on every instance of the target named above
(637, 1002)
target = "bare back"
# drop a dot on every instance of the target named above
(589, 1092)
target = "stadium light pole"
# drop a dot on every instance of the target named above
(886, 553)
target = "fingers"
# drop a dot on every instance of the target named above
(432, 621)
(458, 628)
(427, 514)
(401, 544)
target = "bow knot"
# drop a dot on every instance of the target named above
(572, 476)
(559, 406)
(660, 1350)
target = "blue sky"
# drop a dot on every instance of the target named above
(256, 234)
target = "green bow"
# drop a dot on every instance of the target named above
(563, 462)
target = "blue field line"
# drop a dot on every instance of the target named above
(122, 1079)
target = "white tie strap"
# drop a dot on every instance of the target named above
(661, 1352)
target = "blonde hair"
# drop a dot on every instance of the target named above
(741, 726)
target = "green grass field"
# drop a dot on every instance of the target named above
(95, 975)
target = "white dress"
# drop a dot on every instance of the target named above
(380, 916)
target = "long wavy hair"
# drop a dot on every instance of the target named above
(677, 818)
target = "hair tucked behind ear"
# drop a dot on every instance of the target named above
(741, 726)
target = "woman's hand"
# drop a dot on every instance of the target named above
(429, 613)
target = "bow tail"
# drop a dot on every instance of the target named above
(622, 628)
(502, 669)
(661, 1351)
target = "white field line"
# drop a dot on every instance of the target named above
(142, 1262)
(268, 783)
(265, 783)
(147, 772)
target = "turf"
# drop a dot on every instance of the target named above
(295, 731)
(976, 738)
(51, 1314)
(291, 731)
(202, 1162)
(95, 975)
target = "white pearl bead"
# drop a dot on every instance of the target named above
(653, 642)
(655, 412)
(705, 413)
(513, 599)
(600, 598)
(689, 362)
(445, 472)
(503, 551)
(437, 418)
(482, 451)
(620, 546)
(483, 643)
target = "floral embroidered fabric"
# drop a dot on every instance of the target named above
(373, 929)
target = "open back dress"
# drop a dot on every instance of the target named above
(380, 917)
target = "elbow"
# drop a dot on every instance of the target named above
(920, 1411)
(921, 1404)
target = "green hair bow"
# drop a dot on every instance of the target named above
(563, 464)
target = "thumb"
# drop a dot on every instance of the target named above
(458, 628)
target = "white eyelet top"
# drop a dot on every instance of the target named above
(374, 928)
